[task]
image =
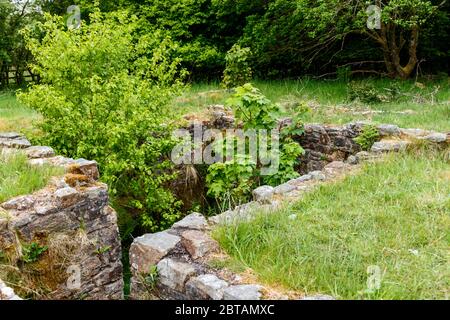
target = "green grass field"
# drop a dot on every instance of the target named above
(17, 177)
(14, 116)
(394, 215)
(416, 108)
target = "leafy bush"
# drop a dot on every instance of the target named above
(362, 91)
(235, 179)
(106, 96)
(289, 156)
(151, 278)
(237, 71)
(367, 92)
(344, 73)
(252, 108)
(369, 135)
(231, 181)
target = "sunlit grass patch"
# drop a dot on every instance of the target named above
(427, 107)
(393, 217)
(14, 116)
(17, 177)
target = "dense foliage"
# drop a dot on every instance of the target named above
(237, 71)
(369, 135)
(234, 180)
(13, 53)
(286, 37)
(107, 99)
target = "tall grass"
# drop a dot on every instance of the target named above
(14, 116)
(17, 177)
(394, 215)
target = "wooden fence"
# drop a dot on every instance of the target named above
(9, 75)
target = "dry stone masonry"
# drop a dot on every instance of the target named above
(72, 218)
(174, 264)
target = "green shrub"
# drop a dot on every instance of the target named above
(253, 109)
(105, 95)
(367, 92)
(237, 71)
(368, 136)
(362, 91)
(234, 180)
(31, 252)
(344, 73)
(231, 182)
(151, 278)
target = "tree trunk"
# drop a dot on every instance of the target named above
(392, 44)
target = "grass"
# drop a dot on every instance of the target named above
(328, 99)
(394, 215)
(17, 177)
(416, 108)
(14, 116)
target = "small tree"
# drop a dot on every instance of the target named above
(106, 96)
(237, 71)
(398, 33)
(394, 25)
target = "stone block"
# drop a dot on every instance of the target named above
(263, 194)
(198, 243)
(19, 203)
(148, 250)
(66, 197)
(436, 137)
(389, 146)
(386, 130)
(37, 152)
(206, 287)
(194, 221)
(174, 274)
(284, 188)
(318, 175)
(243, 292)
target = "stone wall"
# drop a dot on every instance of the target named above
(176, 264)
(72, 218)
(325, 144)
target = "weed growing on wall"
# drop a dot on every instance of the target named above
(236, 178)
(369, 135)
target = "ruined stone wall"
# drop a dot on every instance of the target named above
(325, 144)
(176, 264)
(71, 217)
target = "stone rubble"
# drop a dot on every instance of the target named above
(174, 274)
(194, 221)
(263, 194)
(37, 152)
(198, 243)
(147, 250)
(390, 146)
